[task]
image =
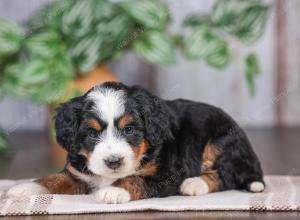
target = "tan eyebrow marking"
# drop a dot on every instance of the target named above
(94, 123)
(125, 120)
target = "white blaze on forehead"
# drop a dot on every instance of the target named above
(110, 103)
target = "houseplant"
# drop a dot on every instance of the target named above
(67, 39)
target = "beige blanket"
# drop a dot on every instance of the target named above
(282, 194)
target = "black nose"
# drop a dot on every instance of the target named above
(114, 162)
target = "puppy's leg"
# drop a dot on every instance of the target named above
(61, 183)
(196, 186)
(209, 180)
(26, 190)
(123, 190)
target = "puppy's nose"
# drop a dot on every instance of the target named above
(114, 162)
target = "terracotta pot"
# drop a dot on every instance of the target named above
(100, 75)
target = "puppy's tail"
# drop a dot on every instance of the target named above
(256, 186)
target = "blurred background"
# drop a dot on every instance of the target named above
(242, 56)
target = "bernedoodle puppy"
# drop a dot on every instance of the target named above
(126, 144)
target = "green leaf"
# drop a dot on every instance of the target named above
(152, 14)
(12, 83)
(203, 42)
(77, 21)
(115, 35)
(226, 12)
(86, 53)
(42, 81)
(52, 91)
(220, 58)
(195, 20)
(107, 37)
(252, 23)
(155, 47)
(108, 34)
(46, 44)
(11, 36)
(252, 70)
(35, 72)
(50, 15)
(103, 9)
(114, 31)
(24, 79)
(244, 18)
(62, 66)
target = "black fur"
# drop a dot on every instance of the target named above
(155, 114)
(67, 121)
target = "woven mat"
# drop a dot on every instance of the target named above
(282, 194)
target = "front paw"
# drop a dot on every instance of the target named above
(112, 195)
(26, 190)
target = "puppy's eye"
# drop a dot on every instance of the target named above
(128, 130)
(92, 133)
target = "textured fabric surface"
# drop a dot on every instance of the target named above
(282, 194)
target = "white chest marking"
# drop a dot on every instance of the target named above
(95, 182)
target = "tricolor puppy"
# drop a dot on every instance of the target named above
(126, 144)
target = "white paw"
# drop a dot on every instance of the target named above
(257, 187)
(26, 190)
(112, 195)
(194, 186)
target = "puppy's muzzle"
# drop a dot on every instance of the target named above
(114, 162)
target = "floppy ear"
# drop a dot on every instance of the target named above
(155, 114)
(66, 123)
